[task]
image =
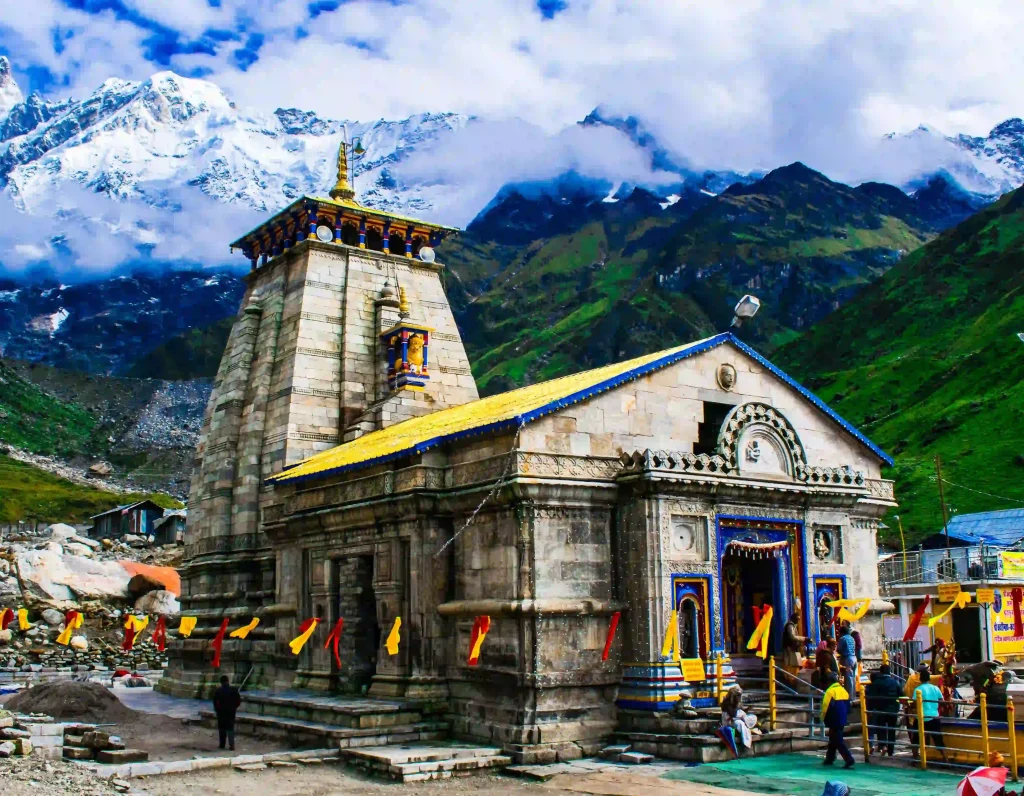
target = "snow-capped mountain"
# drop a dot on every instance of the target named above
(987, 166)
(136, 140)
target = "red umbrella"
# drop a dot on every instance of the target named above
(982, 781)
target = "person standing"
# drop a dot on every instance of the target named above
(825, 662)
(835, 708)
(792, 644)
(846, 651)
(883, 703)
(931, 698)
(226, 700)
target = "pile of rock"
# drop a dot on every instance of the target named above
(86, 742)
(14, 740)
(71, 572)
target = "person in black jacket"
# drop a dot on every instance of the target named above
(883, 702)
(226, 700)
(835, 708)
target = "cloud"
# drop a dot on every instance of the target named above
(92, 235)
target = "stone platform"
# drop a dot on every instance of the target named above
(423, 762)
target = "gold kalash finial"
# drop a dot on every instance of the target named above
(342, 190)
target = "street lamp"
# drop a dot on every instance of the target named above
(746, 308)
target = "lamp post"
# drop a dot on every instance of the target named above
(745, 309)
(903, 545)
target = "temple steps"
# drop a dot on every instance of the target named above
(707, 748)
(418, 763)
(301, 732)
(348, 712)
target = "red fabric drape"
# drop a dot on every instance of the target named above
(160, 633)
(6, 618)
(334, 639)
(218, 642)
(611, 635)
(1018, 626)
(129, 639)
(480, 626)
(915, 620)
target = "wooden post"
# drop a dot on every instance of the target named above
(922, 746)
(864, 731)
(719, 678)
(983, 703)
(1011, 724)
(772, 717)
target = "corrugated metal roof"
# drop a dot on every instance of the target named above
(992, 527)
(513, 409)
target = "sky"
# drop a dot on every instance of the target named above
(745, 84)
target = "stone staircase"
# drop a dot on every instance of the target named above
(423, 762)
(303, 718)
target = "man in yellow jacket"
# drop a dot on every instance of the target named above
(835, 708)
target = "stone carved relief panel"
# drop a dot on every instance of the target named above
(827, 543)
(688, 537)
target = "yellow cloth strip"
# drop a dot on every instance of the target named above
(65, 635)
(670, 646)
(299, 642)
(136, 624)
(394, 637)
(961, 601)
(404, 436)
(759, 638)
(188, 624)
(862, 603)
(23, 623)
(242, 632)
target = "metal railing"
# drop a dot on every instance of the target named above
(981, 562)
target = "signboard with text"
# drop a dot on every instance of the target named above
(948, 592)
(1013, 565)
(693, 669)
(1005, 643)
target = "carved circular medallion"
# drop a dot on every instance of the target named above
(726, 375)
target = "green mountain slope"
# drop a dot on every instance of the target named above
(28, 493)
(33, 420)
(928, 363)
(194, 354)
(631, 280)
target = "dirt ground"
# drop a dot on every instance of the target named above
(334, 780)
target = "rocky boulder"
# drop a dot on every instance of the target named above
(159, 602)
(52, 575)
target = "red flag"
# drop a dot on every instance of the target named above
(915, 620)
(1018, 626)
(476, 638)
(6, 618)
(611, 634)
(218, 642)
(333, 639)
(160, 633)
(129, 639)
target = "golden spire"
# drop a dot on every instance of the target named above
(403, 304)
(342, 191)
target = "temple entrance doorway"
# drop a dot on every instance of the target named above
(360, 639)
(749, 583)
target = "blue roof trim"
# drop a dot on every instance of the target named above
(604, 386)
(814, 399)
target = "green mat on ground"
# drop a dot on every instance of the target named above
(804, 775)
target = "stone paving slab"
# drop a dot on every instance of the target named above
(201, 763)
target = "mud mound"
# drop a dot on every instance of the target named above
(87, 702)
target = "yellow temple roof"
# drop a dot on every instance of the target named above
(506, 410)
(510, 410)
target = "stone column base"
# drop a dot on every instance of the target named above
(388, 686)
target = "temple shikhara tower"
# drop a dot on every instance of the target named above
(348, 469)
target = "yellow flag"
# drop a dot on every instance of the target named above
(670, 646)
(137, 624)
(961, 601)
(65, 635)
(299, 641)
(242, 632)
(188, 624)
(79, 619)
(394, 637)
(761, 634)
(23, 619)
(862, 604)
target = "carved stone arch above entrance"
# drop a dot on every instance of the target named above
(757, 439)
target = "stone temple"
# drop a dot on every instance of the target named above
(347, 468)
